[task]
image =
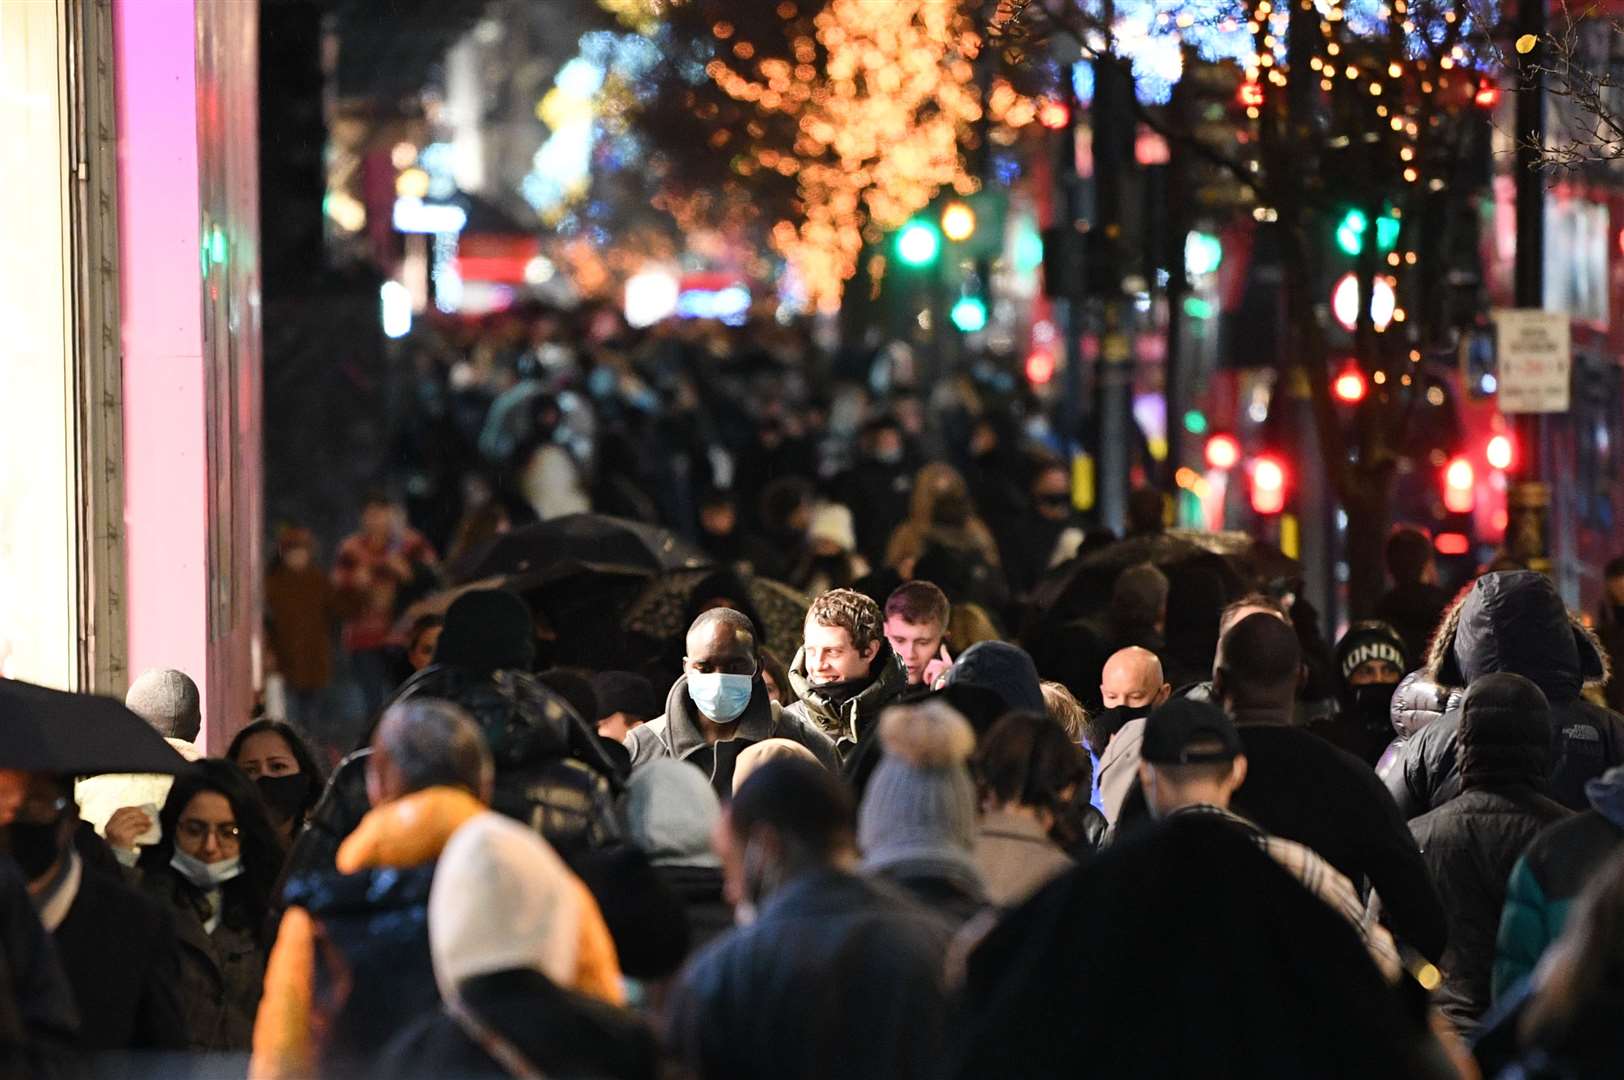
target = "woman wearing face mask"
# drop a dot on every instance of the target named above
(280, 763)
(214, 870)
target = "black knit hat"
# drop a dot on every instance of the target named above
(488, 630)
(1366, 641)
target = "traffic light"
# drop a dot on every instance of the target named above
(1460, 484)
(958, 222)
(1039, 367)
(1349, 387)
(1345, 301)
(1053, 114)
(1223, 451)
(1249, 95)
(969, 314)
(1488, 93)
(918, 243)
(1351, 230)
(1268, 484)
(1500, 452)
(1203, 253)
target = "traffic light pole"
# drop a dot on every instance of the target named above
(1528, 501)
(1112, 119)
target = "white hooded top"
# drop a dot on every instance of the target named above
(501, 899)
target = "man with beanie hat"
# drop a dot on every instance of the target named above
(1370, 661)
(829, 974)
(917, 824)
(1007, 670)
(124, 807)
(625, 700)
(1471, 843)
(720, 706)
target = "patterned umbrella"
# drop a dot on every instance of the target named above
(668, 604)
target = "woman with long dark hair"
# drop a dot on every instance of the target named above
(278, 759)
(214, 869)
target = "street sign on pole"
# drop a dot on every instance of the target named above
(1535, 360)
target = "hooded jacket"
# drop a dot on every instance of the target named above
(1514, 622)
(1549, 876)
(377, 903)
(847, 724)
(676, 734)
(1471, 842)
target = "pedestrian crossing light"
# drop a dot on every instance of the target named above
(1268, 484)
(958, 222)
(918, 243)
(969, 314)
(1351, 230)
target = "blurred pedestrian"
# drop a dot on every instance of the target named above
(879, 486)
(625, 701)
(421, 641)
(504, 928)
(1027, 771)
(124, 807)
(1551, 873)
(116, 946)
(374, 572)
(300, 614)
(671, 814)
(1610, 630)
(720, 706)
(1047, 534)
(941, 513)
(845, 672)
(916, 826)
(213, 871)
(282, 765)
(831, 974)
(1471, 842)
(1415, 603)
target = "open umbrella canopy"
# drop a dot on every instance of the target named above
(669, 604)
(50, 731)
(583, 544)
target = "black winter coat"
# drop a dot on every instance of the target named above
(1470, 845)
(1514, 622)
(561, 1033)
(373, 972)
(38, 1016)
(118, 950)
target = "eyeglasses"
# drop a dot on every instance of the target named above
(197, 832)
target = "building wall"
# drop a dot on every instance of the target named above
(186, 74)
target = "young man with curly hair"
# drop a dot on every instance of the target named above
(846, 671)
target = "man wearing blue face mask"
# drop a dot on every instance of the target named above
(720, 706)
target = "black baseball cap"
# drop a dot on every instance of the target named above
(1174, 728)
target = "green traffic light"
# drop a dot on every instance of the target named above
(1203, 253)
(918, 243)
(1195, 422)
(969, 314)
(1350, 232)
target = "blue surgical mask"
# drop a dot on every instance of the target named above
(722, 698)
(206, 875)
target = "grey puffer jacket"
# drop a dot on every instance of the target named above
(1513, 621)
(1417, 702)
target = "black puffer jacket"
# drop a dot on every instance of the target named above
(1417, 702)
(1514, 621)
(1471, 842)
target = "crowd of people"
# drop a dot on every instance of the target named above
(991, 813)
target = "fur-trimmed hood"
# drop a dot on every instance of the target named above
(1514, 621)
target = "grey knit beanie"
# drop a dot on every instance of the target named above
(169, 701)
(920, 804)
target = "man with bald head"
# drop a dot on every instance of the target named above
(720, 706)
(1130, 687)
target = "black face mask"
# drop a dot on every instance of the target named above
(284, 795)
(1373, 704)
(36, 847)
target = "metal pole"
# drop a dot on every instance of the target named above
(1529, 498)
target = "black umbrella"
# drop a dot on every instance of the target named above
(49, 731)
(1082, 586)
(583, 545)
(665, 608)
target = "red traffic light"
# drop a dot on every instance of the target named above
(1452, 543)
(1268, 484)
(1488, 93)
(1223, 452)
(1250, 94)
(1350, 386)
(1039, 367)
(1500, 452)
(1054, 115)
(1460, 486)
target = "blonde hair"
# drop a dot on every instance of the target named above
(1064, 709)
